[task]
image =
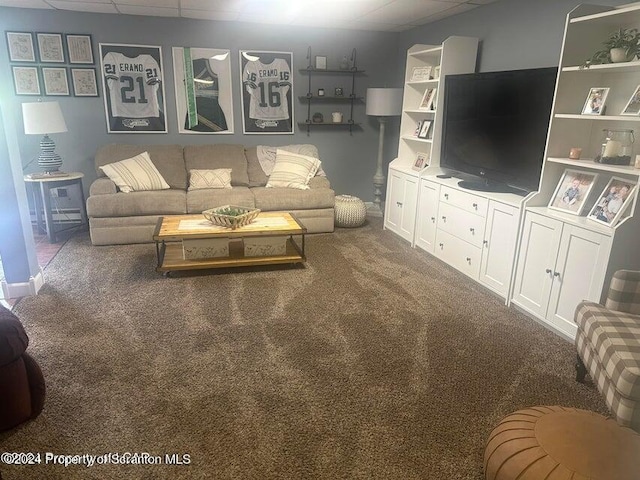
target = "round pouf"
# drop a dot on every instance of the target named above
(556, 442)
(350, 211)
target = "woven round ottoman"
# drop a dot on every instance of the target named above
(555, 442)
(350, 211)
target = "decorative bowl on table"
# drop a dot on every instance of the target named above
(231, 216)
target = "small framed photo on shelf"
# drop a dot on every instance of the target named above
(50, 47)
(633, 105)
(594, 105)
(84, 82)
(79, 49)
(572, 191)
(428, 99)
(55, 81)
(338, 92)
(20, 46)
(321, 62)
(613, 201)
(436, 72)
(25, 80)
(416, 132)
(421, 74)
(422, 161)
(424, 129)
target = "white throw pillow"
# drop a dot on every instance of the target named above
(135, 174)
(292, 170)
(218, 178)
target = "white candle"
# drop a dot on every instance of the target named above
(612, 149)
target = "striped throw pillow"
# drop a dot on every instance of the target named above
(292, 170)
(218, 178)
(135, 174)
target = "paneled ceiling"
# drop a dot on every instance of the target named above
(376, 15)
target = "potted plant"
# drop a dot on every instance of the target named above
(622, 46)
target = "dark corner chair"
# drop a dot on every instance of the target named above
(22, 388)
(608, 345)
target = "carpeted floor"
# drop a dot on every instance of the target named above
(376, 361)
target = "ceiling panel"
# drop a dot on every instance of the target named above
(207, 15)
(402, 12)
(25, 3)
(149, 3)
(83, 6)
(149, 11)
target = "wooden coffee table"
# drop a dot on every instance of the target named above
(194, 236)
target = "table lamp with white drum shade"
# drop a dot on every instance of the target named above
(44, 118)
(382, 103)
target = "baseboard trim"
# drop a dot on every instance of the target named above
(373, 210)
(23, 289)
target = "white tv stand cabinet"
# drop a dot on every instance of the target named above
(473, 231)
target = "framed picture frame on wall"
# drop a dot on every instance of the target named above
(84, 82)
(20, 45)
(26, 80)
(50, 49)
(79, 49)
(55, 81)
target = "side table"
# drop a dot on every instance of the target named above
(41, 185)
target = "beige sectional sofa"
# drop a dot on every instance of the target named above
(119, 218)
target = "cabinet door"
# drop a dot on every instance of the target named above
(536, 260)
(427, 215)
(578, 275)
(409, 206)
(499, 246)
(395, 194)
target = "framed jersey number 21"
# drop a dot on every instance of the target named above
(133, 85)
(267, 92)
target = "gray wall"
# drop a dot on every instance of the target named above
(349, 160)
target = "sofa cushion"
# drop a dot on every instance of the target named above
(135, 174)
(269, 199)
(204, 199)
(210, 157)
(292, 170)
(167, 159)
(218, 178)
(156, 202)
(257, 175)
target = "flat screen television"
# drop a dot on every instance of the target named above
(495, 127)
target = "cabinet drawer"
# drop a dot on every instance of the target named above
(466, 201)
(458, 253)
(462, 224)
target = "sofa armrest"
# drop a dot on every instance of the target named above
(624, 292)
(319, 182)
(102, 186)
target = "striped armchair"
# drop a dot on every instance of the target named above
(608, 345)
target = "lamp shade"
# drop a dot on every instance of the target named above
(384, 102)
(41, 118)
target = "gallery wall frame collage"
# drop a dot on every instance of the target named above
(52, 64)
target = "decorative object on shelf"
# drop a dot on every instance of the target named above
(84, 82)
(321, 92)
(595, 103)
(572, 191)
(617, 148)
(79, 49)
(436, 72)
(424, 129)
(382, 103)
(416, 132)
(428, 99)
(25, 80)
(622, 46)
(350, 211)
(204, 101)
(338, 92)
(574, 153)
(321, 62)
(344, 63)
(421, 74)
(336, 117)
(43, 118)
(133, 96)
(423, 160)
(633, 105)
(55, 81)
(637, 162)
(50, 47)
(231, 216)
(20, 47)
(317, 118)
(614, 199)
